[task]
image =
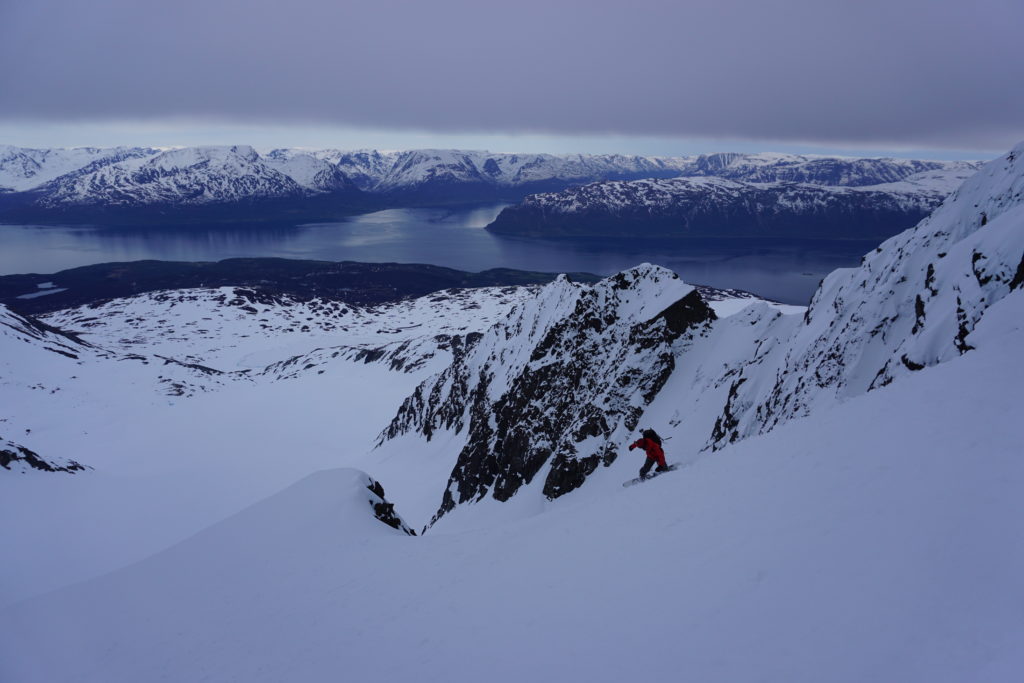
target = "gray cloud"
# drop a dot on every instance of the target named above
(924, 72)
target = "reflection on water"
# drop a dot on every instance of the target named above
(787, 271)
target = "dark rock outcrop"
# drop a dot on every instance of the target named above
(556, 390)
(14, 456)
(385, 510)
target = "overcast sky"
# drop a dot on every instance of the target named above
(645, 75)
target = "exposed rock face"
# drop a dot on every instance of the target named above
(384, 510)
(15, 457)
(559, 385)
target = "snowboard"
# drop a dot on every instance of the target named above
(651, 475)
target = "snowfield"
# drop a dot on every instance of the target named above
(865, 544)
(848, 508)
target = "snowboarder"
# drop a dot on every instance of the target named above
(651, 443)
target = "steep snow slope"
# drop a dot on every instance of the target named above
(822, 551)
(912, 303)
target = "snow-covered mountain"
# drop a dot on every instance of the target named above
(309, 170)
(285, 183)
(437, 170)
(820, 170)
(847, 509)
(197, 175)
(718, 207)
(236, 172)
(206, 183)
(23, 168)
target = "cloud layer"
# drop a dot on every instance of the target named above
(921, 72)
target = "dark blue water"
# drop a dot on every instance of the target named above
(785, 271)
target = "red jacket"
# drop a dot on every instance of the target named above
(652, 449)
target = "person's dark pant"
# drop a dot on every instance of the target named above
(651, 462)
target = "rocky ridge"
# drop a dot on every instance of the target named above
(558, 387)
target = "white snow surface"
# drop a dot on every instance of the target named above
(912, 303)
(865, 544)
(849, 507)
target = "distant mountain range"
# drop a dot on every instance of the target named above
(718, 194)
(238, 183)
(719, 207)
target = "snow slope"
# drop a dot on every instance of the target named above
(912, 303)
(848, 510)
(189, 405)
(822, 551)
